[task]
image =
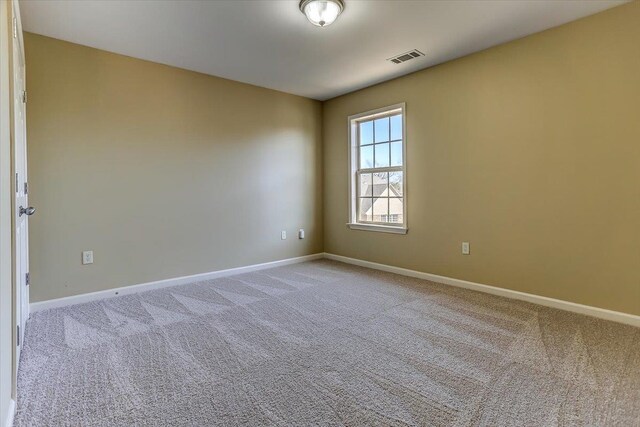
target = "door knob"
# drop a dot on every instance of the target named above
(27, 211)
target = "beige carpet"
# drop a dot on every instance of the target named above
(325, 344)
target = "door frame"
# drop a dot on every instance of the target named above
(20, 298)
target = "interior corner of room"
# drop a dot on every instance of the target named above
(498, 181)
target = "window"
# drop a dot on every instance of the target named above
(377, 170)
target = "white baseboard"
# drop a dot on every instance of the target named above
(601, 313)
(126, 290)
(11, 413)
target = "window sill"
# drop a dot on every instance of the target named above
(378, 228)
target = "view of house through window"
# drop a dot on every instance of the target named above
(381, 197)
(377, 142)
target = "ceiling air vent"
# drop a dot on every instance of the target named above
(407, 56)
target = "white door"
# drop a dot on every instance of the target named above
(22, 209)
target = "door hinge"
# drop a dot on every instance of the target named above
(26, 188)
(28, 278)
(17, 335)
(15, 28)
(17, 186)
(24, 96)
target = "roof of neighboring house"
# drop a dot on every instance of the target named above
(378, 190)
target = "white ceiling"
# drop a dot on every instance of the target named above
(270, 43)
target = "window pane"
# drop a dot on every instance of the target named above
(380, 209)
(396, 153)
(396, 127)
(365, 211)
(396, 210)
(380, 184)
(366, 133)
(366, 157)
(382, 155)
(366, 181)
(382, 129)
(395, 184)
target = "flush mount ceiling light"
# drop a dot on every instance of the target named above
(321, 12)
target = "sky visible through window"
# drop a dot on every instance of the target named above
(381, 142)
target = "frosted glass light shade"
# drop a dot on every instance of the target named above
(321, 12)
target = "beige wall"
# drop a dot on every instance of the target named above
(161, 172)
(530, 151)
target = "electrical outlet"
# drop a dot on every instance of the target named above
(465, 248)
(87, 257)
(283, 235)
(301, 233)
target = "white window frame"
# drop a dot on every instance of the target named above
(353, 157)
